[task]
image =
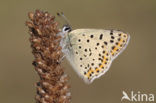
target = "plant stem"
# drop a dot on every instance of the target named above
(45, 43)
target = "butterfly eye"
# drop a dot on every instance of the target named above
(66, 28)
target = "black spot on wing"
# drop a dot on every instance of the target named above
(89, 49)
(105, 43)
(88, 40)
(90, 54)
(101, 36)
(99, 64)
(113, 47)
(103, 52)
(85, 50)
(79, 40)
(111, 41)
(119, 34)
(119, 39)
(83, 34)
(112, 37)
(85, 55)
(99, 54)
(92, 64)
(111, 32)
(91, 36)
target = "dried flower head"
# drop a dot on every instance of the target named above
(52, 86)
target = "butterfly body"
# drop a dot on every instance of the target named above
(91, 51)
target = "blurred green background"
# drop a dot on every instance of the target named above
(134, 69)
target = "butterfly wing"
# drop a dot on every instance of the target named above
(118, 42)
(90, 53)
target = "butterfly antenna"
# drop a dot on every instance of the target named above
(64, 18)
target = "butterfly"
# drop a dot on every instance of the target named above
(91, 51)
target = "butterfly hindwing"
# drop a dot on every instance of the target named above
(118, 42)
